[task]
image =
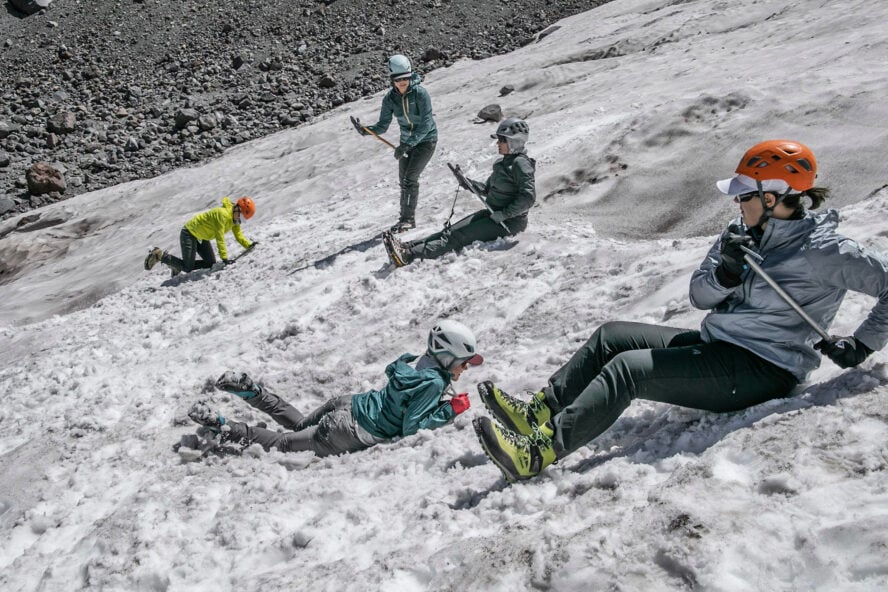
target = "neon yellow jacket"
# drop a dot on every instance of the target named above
(214, 224)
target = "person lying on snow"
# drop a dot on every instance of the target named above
(195, 237)
(752, 347)
(413, 399)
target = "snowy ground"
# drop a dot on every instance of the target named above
(101, 359)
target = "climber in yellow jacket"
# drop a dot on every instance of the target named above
(200, 230)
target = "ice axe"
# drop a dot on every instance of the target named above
(750, 258)
(463, 182)
(363, 128)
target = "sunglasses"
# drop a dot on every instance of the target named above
(745, 197)
(502, 139)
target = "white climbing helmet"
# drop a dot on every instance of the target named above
(451, 343)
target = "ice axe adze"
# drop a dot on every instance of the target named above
(750, 258)
(359, 127)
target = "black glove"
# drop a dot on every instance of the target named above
(402, 150)
(227, 261)
(253, 244)
(732, 265)
(846, 352)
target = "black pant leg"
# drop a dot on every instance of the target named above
(409, 169)
(717, 377)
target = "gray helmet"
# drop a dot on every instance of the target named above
(451, 343)
(515, 131)
(399, 66)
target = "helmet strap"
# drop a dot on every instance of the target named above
(766, 210)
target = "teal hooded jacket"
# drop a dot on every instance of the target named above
(409, 402)
(413, 110)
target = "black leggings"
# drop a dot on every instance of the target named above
(410, 168)
(625, 361)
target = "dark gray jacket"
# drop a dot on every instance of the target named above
(813, 264)
(511, 187)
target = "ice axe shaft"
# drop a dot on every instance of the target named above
(372, 133)
(750, 258)
(457, 172)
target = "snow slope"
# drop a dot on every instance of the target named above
(635, 108)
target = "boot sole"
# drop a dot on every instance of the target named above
(390, 250)
(485, 390)
(508, 470)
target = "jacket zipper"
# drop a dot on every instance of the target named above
(405, 105)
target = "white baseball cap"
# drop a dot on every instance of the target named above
(739, 184)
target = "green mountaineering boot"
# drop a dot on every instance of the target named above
(518, 457)
(513, 413)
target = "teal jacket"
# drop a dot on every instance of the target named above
(411, 401)
(413, 110)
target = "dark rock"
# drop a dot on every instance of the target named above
(62, 123)
(507, 89)
(43, 178)
(327, 81)
(185, 116)
(207, 122)
(4, 159)
(491, 113)
(52, 141)
(6, 205)
(6, 129)
(238, 61)
(433, 54)
(132, 145)
(30, 7)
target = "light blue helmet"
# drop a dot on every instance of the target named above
(399, 66)
(516, 131)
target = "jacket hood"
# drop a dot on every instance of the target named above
(403, 377)
(226, 203)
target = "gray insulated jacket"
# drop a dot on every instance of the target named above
(413, 110)
(813, 264)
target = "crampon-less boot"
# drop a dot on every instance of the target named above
(515, 414)
(518, 457)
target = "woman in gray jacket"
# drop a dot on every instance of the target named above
(752, 347)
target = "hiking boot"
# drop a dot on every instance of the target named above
(153, 258)
(238, 384)
(403, 225)
(514, 413)
(396, 251)
(518, 457)
(203, 414)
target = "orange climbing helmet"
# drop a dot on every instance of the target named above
(247, 207)
(777, 165)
